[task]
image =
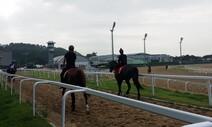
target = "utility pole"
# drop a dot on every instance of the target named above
(181, 39)
(145, 47)
(114, 24)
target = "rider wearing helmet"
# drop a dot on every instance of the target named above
(122, 60)
(12, 67)
(69, 61)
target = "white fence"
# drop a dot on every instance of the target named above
(198, 69)
(165, 111)
(153, 77)
(208, 79)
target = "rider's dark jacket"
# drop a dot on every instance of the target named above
(122, 60)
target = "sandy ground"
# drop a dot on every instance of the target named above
(103, 113)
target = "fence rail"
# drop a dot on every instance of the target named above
(206, 78)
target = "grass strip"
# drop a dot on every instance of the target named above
(14, 114)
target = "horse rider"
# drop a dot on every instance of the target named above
(12, 68)
(68, 62)
(122, 60)
(149, 68)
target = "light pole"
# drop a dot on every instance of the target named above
(145, 47)
(181, 39)
(114, 24)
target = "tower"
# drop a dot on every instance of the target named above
(50, 52)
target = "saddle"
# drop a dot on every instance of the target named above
(118, 71)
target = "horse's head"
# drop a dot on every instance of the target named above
(113, 65)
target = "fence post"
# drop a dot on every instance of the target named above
(168, 83)
(186, 85)
(20, 86)
(143, 80)
(33, 95)
(64, 104)
(6, 82)
(97, 79)
(48, 73)
(209, 92)
(11, 85)
(154, 81)
(2, 79)
(54, 74)
(153, 86)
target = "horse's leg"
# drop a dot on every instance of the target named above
(119, 82)
(138, 89)
(72, 102)
(63, 91)
(86, 103)
(129, 87)
(138, 86)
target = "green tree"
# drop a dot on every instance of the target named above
(92, 54)
(25, 53)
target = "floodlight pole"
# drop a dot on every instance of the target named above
(181, 39)
(114, 24)
(145, 47)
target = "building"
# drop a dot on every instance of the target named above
(104, 59)
(81, 61)
(50, 53)
(161, 58)
(136, 58)
(5, 58)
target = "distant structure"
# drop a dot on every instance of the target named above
(135, 58)
(81, 61)
(50, 53)
(5, 58)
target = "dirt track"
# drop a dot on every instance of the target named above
(104, 113)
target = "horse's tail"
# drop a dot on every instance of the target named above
(82, 78)
(136, 78)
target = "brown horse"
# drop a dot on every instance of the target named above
(75, 76)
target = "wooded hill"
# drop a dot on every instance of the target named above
(30, 54)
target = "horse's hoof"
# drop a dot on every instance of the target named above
(126, 95)
(139, 98)
(88, 112)
(72, 109)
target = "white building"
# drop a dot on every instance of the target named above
(136, 58)
(81, 61)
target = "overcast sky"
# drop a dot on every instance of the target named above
(86, 24)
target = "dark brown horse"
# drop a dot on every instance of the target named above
(11, 71)
(75, 76)
(125, 73)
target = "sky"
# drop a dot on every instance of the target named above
(86, 24)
